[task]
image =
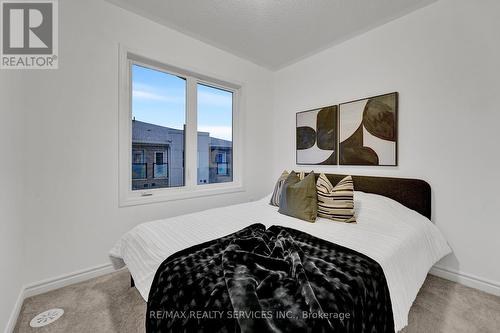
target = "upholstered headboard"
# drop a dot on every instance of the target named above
(412, 193)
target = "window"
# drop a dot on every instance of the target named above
(215, 134)
(158, 122)
(222, 169)
(138, 156)
(222, 164)
(160, 167)
(139, 169)
(221, 158)
(159, 157)
(178, 130)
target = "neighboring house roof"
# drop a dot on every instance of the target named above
(150, 133)
(220, 143)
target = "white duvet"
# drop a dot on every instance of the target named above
(403, 242)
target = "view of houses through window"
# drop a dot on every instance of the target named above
(158, 130)
(215, 135)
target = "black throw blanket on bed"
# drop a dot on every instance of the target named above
(275, 280)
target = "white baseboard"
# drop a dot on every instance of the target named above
(490, 287)
(11, 324)
(44, 286)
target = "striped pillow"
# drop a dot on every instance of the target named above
(336, 203)
(302, 175)
(275, 198)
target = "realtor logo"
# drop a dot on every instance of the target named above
(29, 34)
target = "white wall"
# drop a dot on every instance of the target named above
(445, 62)
(11, 189)
(60, 130)
(71, 134)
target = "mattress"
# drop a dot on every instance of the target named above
(403, 242)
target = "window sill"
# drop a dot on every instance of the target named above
(134, 198)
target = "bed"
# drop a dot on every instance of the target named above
(393, 229)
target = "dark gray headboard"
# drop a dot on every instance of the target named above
(412, 193)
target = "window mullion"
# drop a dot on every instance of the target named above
(191, 156)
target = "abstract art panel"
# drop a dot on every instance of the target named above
(317, 136)
(368, 131)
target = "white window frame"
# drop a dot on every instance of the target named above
(191, 188)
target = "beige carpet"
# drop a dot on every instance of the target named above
(108, 304)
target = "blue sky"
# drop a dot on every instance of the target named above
(160, 98)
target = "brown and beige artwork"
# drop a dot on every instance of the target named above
(368, 131)
(316, 136)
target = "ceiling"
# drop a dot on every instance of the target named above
(272, 33)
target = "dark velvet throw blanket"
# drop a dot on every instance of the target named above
(274, 280)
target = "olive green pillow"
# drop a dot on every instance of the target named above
(298, 197)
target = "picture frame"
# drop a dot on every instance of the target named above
(368, 131)
(316, 136)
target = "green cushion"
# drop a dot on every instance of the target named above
(298, 197)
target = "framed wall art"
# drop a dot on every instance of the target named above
(368, 131)
(316, 136)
